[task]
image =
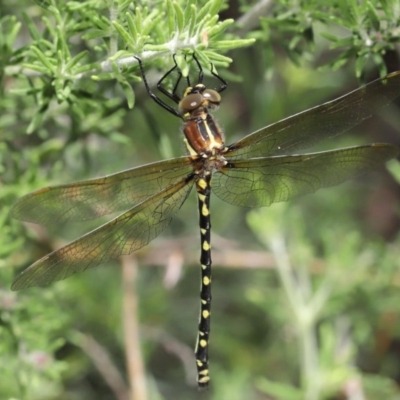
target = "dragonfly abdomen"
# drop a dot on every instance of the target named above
(201, 352)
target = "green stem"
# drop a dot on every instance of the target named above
(296, 288)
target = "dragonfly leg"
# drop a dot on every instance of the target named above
(161, 103)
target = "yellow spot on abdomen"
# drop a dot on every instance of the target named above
(204, 379)
(202, 183)
(205, 211)
(206, 280)
(204, 372)
(206, 246)
(203, 343)
(206, 314)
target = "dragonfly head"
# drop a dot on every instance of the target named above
(199, 97)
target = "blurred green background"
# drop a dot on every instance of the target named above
(306, 294)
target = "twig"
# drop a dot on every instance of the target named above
(103, 363)
(177, 348)
(134, 359)
(251, 19)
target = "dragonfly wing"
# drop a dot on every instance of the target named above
(260, 182)
(306, 129)
(93, 198)
(123, 235)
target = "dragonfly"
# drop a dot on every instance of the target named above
(262, 168)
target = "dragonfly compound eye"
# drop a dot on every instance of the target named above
(191, 102)
(212, 96)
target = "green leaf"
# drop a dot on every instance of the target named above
(81, 69)
(232, 44)
(99, 21)
(138, 21)
(279, 391)
(104, 76)
(189, 13)
(121, 54)
(341, 60)
(46, 5)
(43, 3)
(192, 21)
(35, 67)
(132, 26)
(359, 65)
(179, 16)
(129, 93)
(123, 33)
(123, 5)
(380, 62)
(35, 123)
(203, 12)
(94, 34)
(373, 17)
(12, 34)
(330, 37)
(219, 28)
(151, 22)
(50, 26)
(32, 29)
(216, 6)
(170, 18)
(216, 57)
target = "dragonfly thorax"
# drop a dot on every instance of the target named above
(210, 164)
(203, 136)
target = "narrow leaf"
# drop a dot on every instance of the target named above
(75, 60)
(219, 28)
(33, 31)
(232, 44)
(123, 33)
(189, 13)
(218, 57)
(192, 20)
(94, 34)
(104, 76)
(43, 59)
(50, 27)
(15, 28)
(35, 67)
(178, 16)
(129, 93)
(203, 12)
(373, 17)
(46, 5)
(138, 19)
(132, 26)
(170, 18)
(216, 6)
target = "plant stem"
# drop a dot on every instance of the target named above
(296, 289)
